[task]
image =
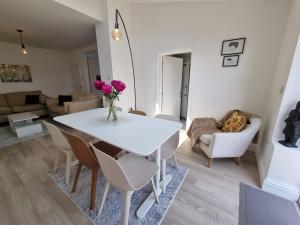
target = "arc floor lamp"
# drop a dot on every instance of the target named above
(116, 35)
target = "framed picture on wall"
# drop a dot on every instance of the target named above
(233, 46)
(232, 60)
(15, 73)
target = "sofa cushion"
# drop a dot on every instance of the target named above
(43, 98)
(57, 109)
(64, 98)
(5, 110)
(3, 101)
(18, 98)
(32, 99)
(27, 108)
(206, 138)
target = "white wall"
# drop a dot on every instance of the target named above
(114, 56)
(103, 43)
(273, 118)
(277, 165)
(91, 8)
(201, 27)
(121, 62)
(49, 69)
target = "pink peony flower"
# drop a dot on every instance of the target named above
(98, 84)
(118, 85)
(106, 89)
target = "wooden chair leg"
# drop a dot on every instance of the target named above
(94, 188)
(76, 177)
(210, 161)
(127, 207)
(106, 188)
(56, 161)
(68, 168)
(237, 160)
(155, 191)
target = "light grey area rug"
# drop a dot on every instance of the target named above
(7, 137)
(258, 207)
(113, 208)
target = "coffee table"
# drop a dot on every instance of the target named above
(22, 125)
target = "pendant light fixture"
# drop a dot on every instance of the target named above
(24, 50)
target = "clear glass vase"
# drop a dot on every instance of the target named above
(112, 111)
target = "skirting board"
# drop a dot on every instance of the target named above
(262, 171)
(280, 189)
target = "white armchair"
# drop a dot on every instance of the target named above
(229, 145)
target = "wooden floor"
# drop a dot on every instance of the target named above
(28, 196)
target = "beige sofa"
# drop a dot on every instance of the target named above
(80, 102)
(11, 103)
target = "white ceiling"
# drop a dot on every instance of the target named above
(164, 1)
(46, 24)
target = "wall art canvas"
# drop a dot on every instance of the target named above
(15, 73)
(232, 60)
(233, 46)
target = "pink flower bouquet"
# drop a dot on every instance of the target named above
(111, 93)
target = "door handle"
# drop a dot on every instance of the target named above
(185, 91)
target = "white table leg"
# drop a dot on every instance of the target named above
(158, 163)
(147, 204)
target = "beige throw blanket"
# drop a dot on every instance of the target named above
(202, 126)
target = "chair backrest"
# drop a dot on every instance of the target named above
(141, 113)
(81, 150)
(171, 144)
(58, 138)
(112, 170)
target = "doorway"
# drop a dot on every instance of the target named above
(93, 68)
(175, 78)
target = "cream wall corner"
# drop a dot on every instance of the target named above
(49, 69)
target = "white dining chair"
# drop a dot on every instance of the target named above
(168, 149)
(129, 173)
(62, 145)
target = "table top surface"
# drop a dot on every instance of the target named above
(17, 117)
(140, 135)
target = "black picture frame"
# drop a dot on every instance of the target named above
(234, 42)
(236, 57)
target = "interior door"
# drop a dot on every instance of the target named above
(185, 89)
(76, 82)
(171, 85)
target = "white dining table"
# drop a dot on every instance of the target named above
(140, 135)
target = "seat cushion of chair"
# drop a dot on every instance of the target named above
(109, 149)
(137, 169)
(27, 108)
(5, 110)
(206, 138)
